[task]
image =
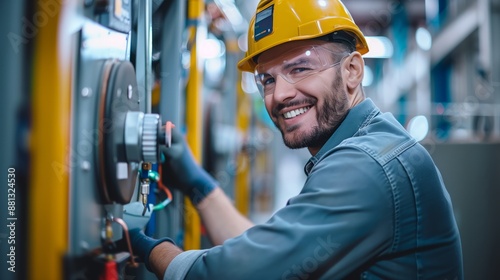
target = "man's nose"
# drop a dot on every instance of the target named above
(283, 89)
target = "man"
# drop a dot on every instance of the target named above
(373, 206)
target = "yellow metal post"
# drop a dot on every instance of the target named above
(242, 192)
(194, 112)
(49, 182)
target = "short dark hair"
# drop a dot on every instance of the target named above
(345, 38)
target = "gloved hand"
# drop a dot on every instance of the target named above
(183, 173)
(142, 245)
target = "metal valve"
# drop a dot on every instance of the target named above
(143, 136)
(144, 195)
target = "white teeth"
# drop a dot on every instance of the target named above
(294, 113)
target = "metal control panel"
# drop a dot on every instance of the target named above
(114, 14)
(113, 140)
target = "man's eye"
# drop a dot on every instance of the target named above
(300, 70)
(267, 80)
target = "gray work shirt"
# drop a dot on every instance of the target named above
(373, 206)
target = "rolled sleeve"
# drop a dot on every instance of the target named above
(181, 264)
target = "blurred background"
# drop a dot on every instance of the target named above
(434, 64)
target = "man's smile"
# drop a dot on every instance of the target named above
(296, 112)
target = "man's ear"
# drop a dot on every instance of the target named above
(354, 67)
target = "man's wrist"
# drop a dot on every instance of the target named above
(143, 245)
(202, 189)
(161, 256)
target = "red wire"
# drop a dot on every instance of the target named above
(162, 186)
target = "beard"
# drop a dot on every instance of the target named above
(329, 117)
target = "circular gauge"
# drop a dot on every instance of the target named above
(118, 95)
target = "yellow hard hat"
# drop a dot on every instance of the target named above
(279, 21)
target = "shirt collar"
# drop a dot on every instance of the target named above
(355, 119)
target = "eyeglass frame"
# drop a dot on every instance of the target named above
(325, 65)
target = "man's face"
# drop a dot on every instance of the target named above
(308, 107)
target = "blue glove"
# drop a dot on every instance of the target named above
(142, 245)
(183, 173)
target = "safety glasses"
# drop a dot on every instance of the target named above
(294, 66)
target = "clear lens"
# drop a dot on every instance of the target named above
(294, 66)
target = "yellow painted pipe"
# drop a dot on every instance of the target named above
(194, 113)
(50, 146)
(242, 192)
